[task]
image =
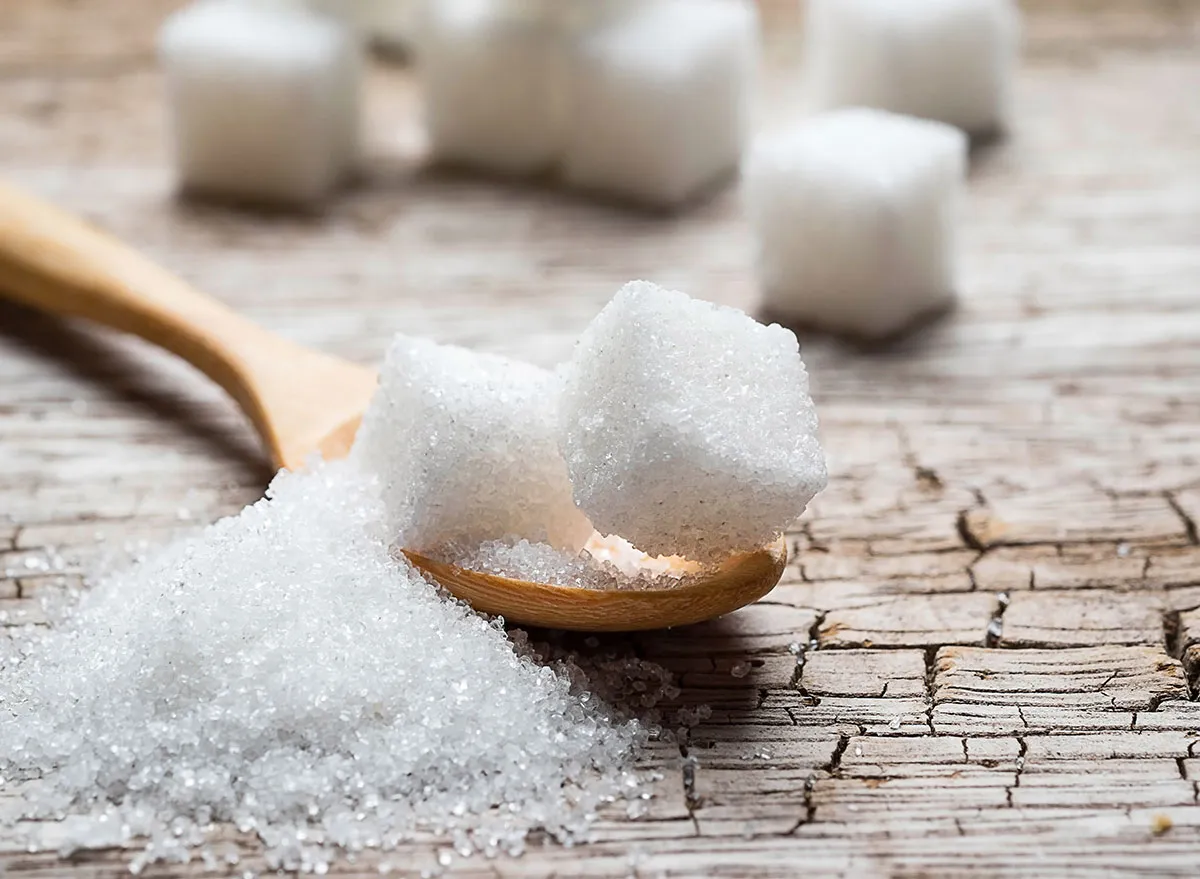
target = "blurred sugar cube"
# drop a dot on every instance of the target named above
(492, 73)
(948, 60)
(390, 24)
(466, 448)
(263, 100)
(687, 427)
(854, 212)
(577, 16)
(660, 99)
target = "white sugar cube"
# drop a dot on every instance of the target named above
(388, 23)
(660, 99)
(465, 446)
(578, 16)
(949, 60)
(263, 100)
(855, 215)
(492, 75)
(687, 427)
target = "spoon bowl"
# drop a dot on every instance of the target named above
(303, 402)
(739, 580)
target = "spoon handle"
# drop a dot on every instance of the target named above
(56, 263)
(59, 264)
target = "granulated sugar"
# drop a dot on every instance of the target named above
(613, 564)
(285, 673)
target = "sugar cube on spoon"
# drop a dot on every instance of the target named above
(687, 427)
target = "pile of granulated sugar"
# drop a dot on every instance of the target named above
(284, 673)
(610, 564)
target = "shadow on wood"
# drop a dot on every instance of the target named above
(87, 356)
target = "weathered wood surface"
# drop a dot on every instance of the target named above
(980, 657)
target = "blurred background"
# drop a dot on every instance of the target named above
(1076, 328)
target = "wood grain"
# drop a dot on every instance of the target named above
(1001, 581)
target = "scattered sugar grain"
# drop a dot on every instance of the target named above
(465, 445)
(283, 673)
(687, 427)
(617, 679)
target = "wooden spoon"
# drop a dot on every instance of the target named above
(302, 401)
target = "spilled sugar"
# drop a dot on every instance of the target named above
(605, 563)
(287, 673)
(283, 672)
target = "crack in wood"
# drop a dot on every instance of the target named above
(835, 761)
(962, 524)
(1173, 637)
(690, 801)
(995, 626)
(1189, 524)
(1108, 680)
(1022, 750)
(930, 657)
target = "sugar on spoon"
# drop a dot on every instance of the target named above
(302, 401)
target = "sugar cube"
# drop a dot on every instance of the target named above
(949, 60)
(263, 100)
(854, 212)
(492, 76)
(659, 99)
(687, 427)
(578, 16)
(465, 445)
(389, 24)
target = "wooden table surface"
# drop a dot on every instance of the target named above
(1002, 581)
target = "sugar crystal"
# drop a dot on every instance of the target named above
(608, 564)
(282, 672)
